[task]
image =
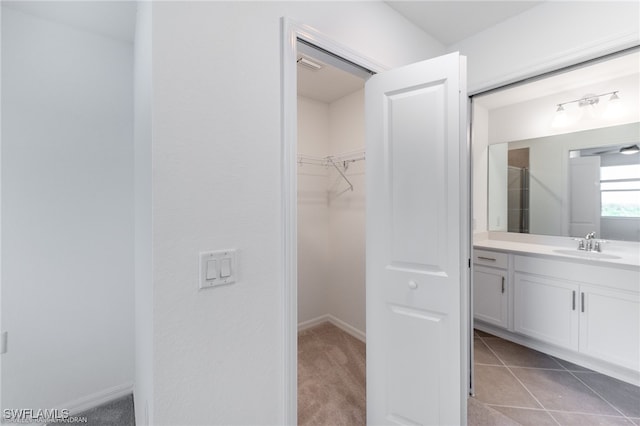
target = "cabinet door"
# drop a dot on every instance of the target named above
(546, 309)
(610, 325)
(490, 295)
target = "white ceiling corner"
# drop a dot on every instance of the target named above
(452, 21)
(112, 19)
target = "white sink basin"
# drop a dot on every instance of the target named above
(586, 254)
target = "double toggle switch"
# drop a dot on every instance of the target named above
(218, 268)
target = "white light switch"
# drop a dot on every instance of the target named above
(225, 267)
(218, 268)
(212, 269)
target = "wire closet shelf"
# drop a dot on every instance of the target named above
(339, 162)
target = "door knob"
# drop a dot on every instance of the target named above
(413, 285)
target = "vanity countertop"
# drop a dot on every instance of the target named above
(626, 255)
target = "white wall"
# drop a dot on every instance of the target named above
(479, 163)
(548, 36)
(347, 215)
(313, 211)
(1, 324)
(622, 228)
(143, 246)
(546, 185)
(67, 213)
(216, 179)
(497, 188)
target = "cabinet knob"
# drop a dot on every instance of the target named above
(413, 285)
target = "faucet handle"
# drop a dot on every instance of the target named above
(590, 236)
(598, 245)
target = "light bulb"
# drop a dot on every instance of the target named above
(560, 119)
(614, 108)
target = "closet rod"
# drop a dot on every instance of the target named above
(327, 161)
(333, 161)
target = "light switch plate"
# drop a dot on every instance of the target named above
(211, 272)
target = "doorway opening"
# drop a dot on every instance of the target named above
(330, 238)
(538, 181)
(406, 229)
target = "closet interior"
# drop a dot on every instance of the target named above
(331, 240)
(331, 197)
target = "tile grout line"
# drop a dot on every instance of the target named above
(613, 416)
(593, 390)
(559, 411)
(571, 372)
(563, 369)
(519, 381)
(602, 397)
(524, 368)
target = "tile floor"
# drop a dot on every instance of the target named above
(533, 388)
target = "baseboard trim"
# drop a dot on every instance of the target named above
(88, 402)
(313, 322)
(344, 326)
(98, 398)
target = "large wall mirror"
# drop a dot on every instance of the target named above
(563, 153)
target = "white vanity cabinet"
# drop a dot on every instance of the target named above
(546, 309)
(490, 287)
(592, 309)
(610, 325)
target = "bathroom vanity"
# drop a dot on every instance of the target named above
(544, 293)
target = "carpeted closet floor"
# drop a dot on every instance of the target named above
(331, 377)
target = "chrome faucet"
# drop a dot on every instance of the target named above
(588, 243)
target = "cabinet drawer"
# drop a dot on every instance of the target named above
(491, 258)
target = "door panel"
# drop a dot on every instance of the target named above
(417, 216)
(415, 240)
(416, 332)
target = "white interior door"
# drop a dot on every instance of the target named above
(584, 196)
(417, 244)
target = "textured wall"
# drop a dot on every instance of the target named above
(217, 184)
(67, 212)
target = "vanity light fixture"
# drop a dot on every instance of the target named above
(613, 107)
(630, 150)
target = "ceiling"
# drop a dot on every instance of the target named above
(581, 77)
(452, 21)
(116, 19)
(327, 84)
(113, 19)
(435, 18)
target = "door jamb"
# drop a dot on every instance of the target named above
(291, 31)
